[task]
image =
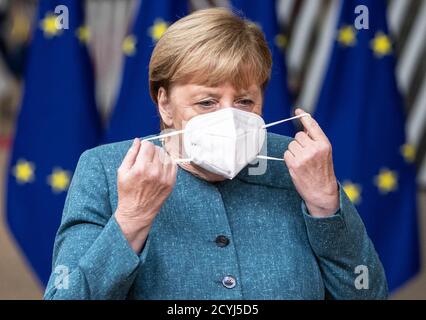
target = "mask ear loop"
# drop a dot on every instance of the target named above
(170, 134)
(275, 123)
(269, 158)
(164, 135)
(285, 120)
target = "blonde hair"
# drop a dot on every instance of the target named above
(210, 47)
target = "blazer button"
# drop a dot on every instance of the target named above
(229, 282)
(222, 241)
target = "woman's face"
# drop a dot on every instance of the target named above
(185, 101)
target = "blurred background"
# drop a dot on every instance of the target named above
(101, 62)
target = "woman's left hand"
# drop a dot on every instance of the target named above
(310, 164)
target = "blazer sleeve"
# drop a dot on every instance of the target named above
(349, 264)
(91, 258)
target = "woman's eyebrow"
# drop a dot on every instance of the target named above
(242, 93)
(212, 92)
(206, 92)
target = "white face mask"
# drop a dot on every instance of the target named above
(224, 141)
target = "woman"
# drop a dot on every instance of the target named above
(144, 221)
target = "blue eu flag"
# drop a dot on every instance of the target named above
(361, 111)
(135, 114)
(277, 101)
(57, 122)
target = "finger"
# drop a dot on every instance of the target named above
(166, 158)
(305, 131)
(169, 169)
(289, 151)
(173, 174)
(299, 111)
(165, 165)
(295, 148)
(303, 139)
(159, 157)
(131, 155)
(288, 158)
(312, 127)
(146, 153)
(161, 154)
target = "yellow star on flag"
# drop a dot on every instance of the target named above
(280, 41)
(158, 28)
(381, 45)
(353, 191)
(49, 26)
(83, 34)
(59, 180)
(129, 45)
(386, 180)
(408, 151)
(347, 36)
(24, 171)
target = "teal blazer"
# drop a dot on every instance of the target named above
(246, 238)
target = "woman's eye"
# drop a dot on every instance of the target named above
(206, 103)
(245, 103)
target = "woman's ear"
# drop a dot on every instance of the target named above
(164, 107)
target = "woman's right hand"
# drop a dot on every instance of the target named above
(145, 179)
